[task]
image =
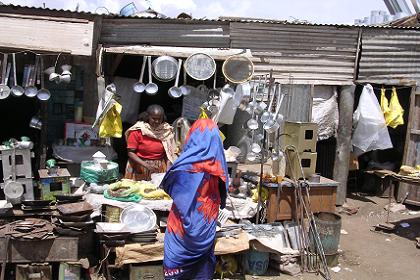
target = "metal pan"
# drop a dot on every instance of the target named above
(200, 66)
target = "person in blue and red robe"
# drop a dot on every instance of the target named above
(197, 183)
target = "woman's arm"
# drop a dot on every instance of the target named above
(136, 159)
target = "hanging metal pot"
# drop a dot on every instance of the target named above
(164, 68)
(200, 66)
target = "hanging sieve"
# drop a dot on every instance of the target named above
(200, 66)
(238, 69)
(164, 68)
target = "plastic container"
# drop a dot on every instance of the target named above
(256, 262)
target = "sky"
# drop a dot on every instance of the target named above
(314, 11)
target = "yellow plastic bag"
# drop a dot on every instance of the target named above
(111, 125)
(203, 115)
(384, 103)
(395, 116)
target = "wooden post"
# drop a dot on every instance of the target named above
(341, 164)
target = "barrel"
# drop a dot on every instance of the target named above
(329, 227)
(256, 262)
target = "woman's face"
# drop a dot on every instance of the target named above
(155, 119)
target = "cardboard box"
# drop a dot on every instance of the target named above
(301, 135)
(308, 161)
(52, 185)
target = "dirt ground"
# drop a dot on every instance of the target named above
(373, 255)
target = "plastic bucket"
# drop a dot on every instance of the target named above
(256, 262)
(329, 227)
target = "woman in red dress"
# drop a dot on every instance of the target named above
(150, 145)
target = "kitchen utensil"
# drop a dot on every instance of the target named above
(16, 90)
(266, 114)
(4, 89)
(36, 202)
(175, 91)
(242, 96)
(164, 68)
(43, 94)
(65, 76)
(251, 156)
(238, 69)
(225, 95)
(78, 208)
(273, 123)
(140, 86)
(35, 122)
(252, 123)
(151, 88)
(184, 88)
(138, 218)
(13, 191)
(255, 148)
(200, 66)
(31, 90)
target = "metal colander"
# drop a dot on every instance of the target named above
(200, 66)
(165, 68)
(238, 69)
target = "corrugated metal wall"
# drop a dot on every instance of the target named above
(311, 54)
(390, 56)
(165, 33)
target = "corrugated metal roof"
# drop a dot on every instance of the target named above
(221, 19)
(309, 54)
(390, 55)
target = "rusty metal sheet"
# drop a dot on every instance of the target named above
(61, 249)
(75, 208)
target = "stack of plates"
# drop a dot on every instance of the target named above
(149, 236)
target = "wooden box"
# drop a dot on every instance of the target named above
(52, 185)
(146, 272)
(33, 272)
(302, 135)
(281, 202)
(307, 160)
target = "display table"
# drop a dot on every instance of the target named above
(282, 205)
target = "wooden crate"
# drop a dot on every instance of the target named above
(60, 249)
(33, 272)
(146, 272)
(281, 202)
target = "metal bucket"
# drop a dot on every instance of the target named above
(256, 262)
(329, 227)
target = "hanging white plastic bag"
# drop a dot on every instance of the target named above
(371, 132)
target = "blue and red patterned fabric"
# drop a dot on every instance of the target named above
(197, 183)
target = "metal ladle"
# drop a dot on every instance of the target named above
(175, 91)
(139, 87)
(43, 94)
(184, 88)
(16, 90)
(252, 123)
(31, 90)
(4, 89)
(266, 115)
(273, 122)
(151, 88)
